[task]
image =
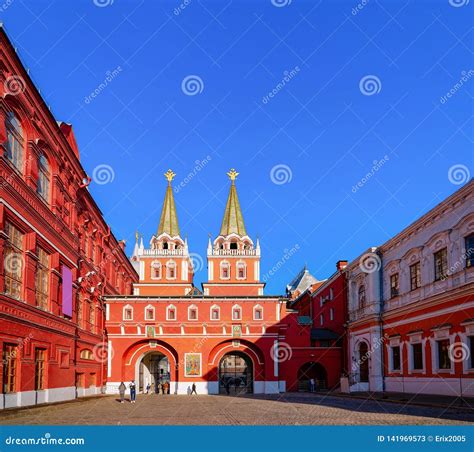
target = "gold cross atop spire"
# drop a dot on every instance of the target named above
(136, 236)
(232, 175)
(170, 175)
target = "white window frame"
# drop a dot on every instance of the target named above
(321, 319)
(241, 264)
(213, 307)
(168, 309)
(255, 309)
(236, 307)
(331, 314)
(173, 263)
(416, 339)
(221, 266)
(154, 265)
(193, 306)
(152, 309)
(126, 307)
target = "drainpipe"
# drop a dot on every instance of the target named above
(382, 306)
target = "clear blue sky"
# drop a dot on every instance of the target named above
(319, 124)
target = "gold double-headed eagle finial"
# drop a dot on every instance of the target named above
(170, 175)
(136, 236)
(232, 174)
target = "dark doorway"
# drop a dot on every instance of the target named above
(155, 370)
(313, 371)
(235, 374)
(363, 362)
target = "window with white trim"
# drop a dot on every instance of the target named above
(192, 313)
(443, 354)
(395, 360)
(44, 177)
(15, 141)
(236, 313)
(321, 319)
(149, 313)
(417, 356)
(127, 313)
(225, 270)
(171, 270)
(258, 313)
(215, 312)
(171, 313)
(331, 314)
(156, 270)
(241, 270)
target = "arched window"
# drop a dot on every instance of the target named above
(165, 245)
(127, 313)
(241, 270)
(236, 313)
(171, 312)
(15, 141)
(192, 312)
(361, 296)
(215, 312)
(233, 245)
(171, 270)
(87, 354)
(43, 177)
(156, 270)
(225, 270)
(149, 313)
(258, 313)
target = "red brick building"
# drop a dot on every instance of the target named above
(58, 257)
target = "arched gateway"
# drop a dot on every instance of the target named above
(153, 369)
(235, 374)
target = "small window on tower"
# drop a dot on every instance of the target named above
(225, 270)
(165, 245)
(233, 246)
(215, 313)
(192, 313)
(236, 313)
(241, 270)
(171, 313)
(171, 270)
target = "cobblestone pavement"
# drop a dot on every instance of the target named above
(292, 409)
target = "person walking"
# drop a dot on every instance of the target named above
(193, 389)
(133, 391)
(311, 384)
(122, 388)
(148, 386)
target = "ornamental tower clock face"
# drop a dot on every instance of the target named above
(166, 267)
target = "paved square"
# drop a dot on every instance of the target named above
(291, 409)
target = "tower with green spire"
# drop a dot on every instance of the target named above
(165, 268)
(233, 259)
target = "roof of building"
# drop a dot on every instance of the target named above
(233, 221)
(302, 281)
(169, 219)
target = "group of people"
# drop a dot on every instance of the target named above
(160, 388)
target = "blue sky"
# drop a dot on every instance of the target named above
(317, 137)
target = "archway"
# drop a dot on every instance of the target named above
(363, 362)
(313, 371)
(154, 369)
(235, 374)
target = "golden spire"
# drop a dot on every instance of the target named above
(136, 236)
(169, 219)
(170, 175)
(233, 221)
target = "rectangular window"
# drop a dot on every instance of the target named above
(39, 369)
(92, 317)
(321, 319)
(331, 314)
(215, 314)
(444, 361)
(396, 358)
(469, 245)
(128, 314)
(150, 314)
(171, 314)
(415, 276)
(236, 314)
(9, 367)
(42, 279)
(441, 264)
(394, 285)
(258, 314)
(192, 314)
(79, 310)
(417, 351)
(13, 261)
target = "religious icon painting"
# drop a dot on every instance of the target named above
(192, 365)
